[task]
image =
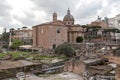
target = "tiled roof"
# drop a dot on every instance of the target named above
(54, 23)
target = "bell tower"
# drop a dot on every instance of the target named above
(54, 16)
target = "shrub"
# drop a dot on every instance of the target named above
(65, 49)
(5, 46)
(16, 43)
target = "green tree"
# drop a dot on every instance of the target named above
(5, 39)
(16, 43)
(65, 49)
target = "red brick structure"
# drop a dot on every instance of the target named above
(51, 34)
(77, 67)
(99, 22)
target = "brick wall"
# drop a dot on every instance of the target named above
(117, 76)
(45, 36)
(75, 66)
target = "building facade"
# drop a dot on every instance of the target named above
(51, 34)
(100, 22)
(114, 22)
(74, 30)
(24, 34)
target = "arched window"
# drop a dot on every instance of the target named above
(58, 30)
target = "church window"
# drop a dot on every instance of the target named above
(41, 31)
(58, 30)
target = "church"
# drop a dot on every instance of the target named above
(51, 34)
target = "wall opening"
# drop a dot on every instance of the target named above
(79, 39)
(54, 46)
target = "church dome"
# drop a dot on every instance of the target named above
(68, 18)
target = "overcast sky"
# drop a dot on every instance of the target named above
(19, 13)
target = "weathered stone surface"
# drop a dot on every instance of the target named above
(117, 76)
(76, 67)
(47, 35)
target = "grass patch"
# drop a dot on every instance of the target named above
(58, 79)
(17, 54)
(2, 55)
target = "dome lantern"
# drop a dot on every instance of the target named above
(68, 18)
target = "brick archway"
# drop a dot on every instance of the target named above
(79, 39)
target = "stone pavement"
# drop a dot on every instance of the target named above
(61, 76)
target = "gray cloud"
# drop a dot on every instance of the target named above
(4, 9)
(84, 11)
(59, 6)
(113, 1)
(5, 18)
(111, 10)
(88, 10)
(27, 21)
(55, 5)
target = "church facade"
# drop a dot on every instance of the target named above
(74, 30)
(51, 34)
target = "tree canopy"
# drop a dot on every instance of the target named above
(112, 30)
(65, 49)
(5, 37)
(16, 43)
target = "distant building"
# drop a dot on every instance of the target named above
(114, 22)
(23, 34)
(100, 22)
(51, 34)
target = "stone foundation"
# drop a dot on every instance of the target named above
(75, 66)
(117, 76)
